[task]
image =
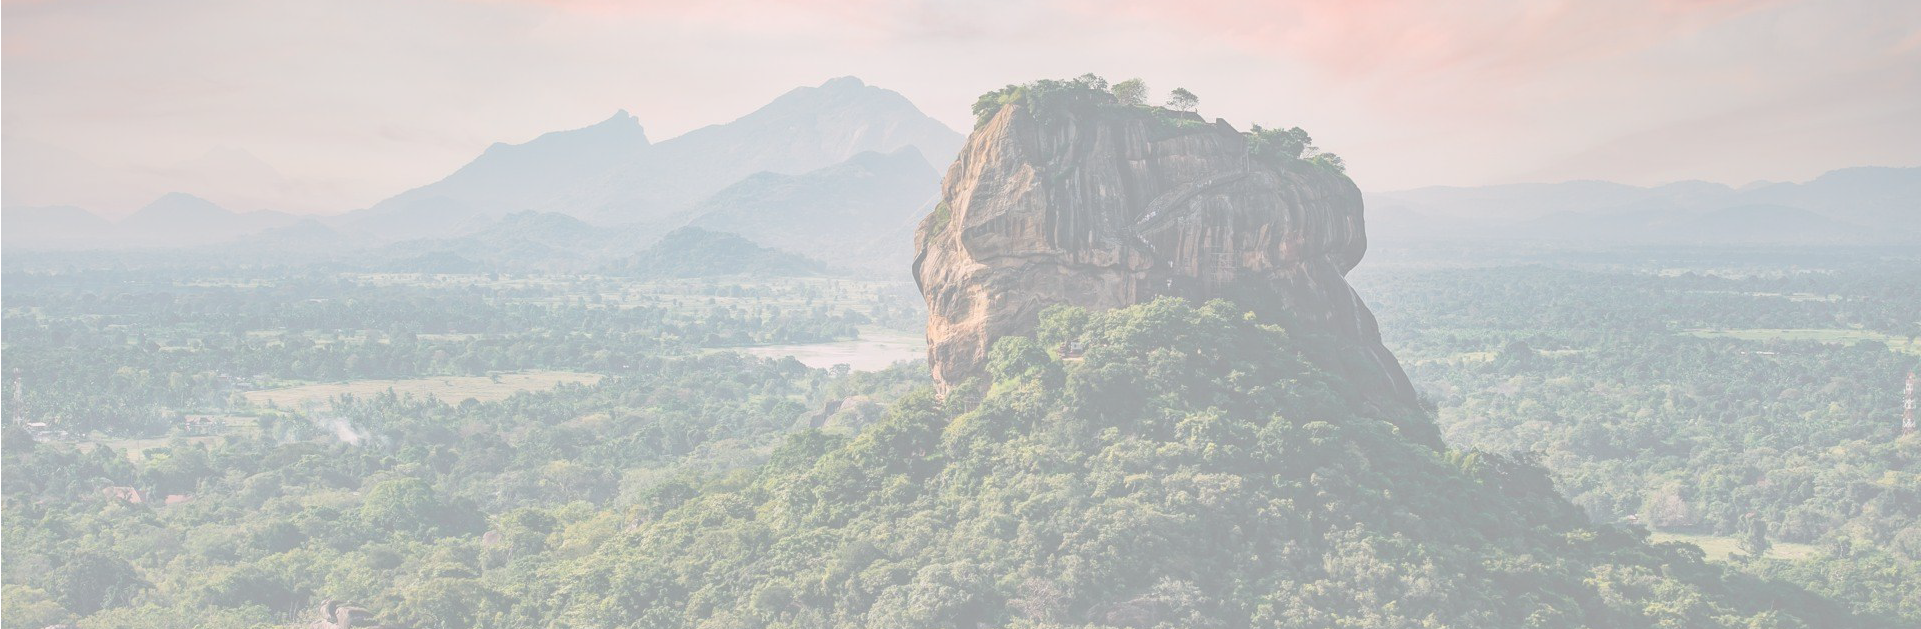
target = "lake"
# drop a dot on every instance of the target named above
(873, 351)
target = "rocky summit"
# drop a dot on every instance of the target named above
(1075, 198)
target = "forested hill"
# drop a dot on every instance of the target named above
(696, 252)
(1192, 469)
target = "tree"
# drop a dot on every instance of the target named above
(1756, 543)
(1283, 143)
(92, 581)
(1182, 100)
(447, 602)
(405, 504)
(1331, 161)
(32, 607)
(1131, 92)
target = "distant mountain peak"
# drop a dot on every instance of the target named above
(609, 173)
(621, 122)
(841, 83)
(620, 129)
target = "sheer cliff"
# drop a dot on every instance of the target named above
(1077, 199)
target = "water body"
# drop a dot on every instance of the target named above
(873, 351)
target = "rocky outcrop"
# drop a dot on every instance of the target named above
(850, 413)
(1101, 206)
(338, 615)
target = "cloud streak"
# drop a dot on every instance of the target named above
(1501, 41)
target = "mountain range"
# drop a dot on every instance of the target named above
(508, 178)
(695, 252)
(174, 220)
(526, 241)
(609, 173)
(1865, 205)
(841, 172)
(39, 174)
(803, 130)
(859, 213)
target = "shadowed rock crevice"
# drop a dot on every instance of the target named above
(1100, 205)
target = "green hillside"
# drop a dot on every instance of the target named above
(1193, 469)
(696, 252)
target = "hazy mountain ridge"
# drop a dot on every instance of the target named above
(695, 252)
(41, 174)
(174, 220)
(609, 174)
(824, 170)
(546, 241)
(866, 206)
(52, 226)
(805, 129)
(855, 214)
(1862, 205)
(508, 178)
(306, 234)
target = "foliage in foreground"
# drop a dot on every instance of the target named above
(1193, 470)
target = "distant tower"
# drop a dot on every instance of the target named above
(1907, 407)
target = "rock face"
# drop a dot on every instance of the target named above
(1107, 206)
(338, 615)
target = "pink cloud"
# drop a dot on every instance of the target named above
(862, 23)
(1365, 38)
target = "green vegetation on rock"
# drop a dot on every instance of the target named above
(1177, 118)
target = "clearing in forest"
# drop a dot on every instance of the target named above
(449, 389)
(1715, 547)
(1821, 335)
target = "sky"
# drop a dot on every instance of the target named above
(323, 107)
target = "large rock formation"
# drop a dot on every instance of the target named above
(1100, 205)
(338, 615)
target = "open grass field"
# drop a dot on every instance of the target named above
(1457, 360)
(449, 389)
(1835, 336)
(135, 449)
(1717, 548)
